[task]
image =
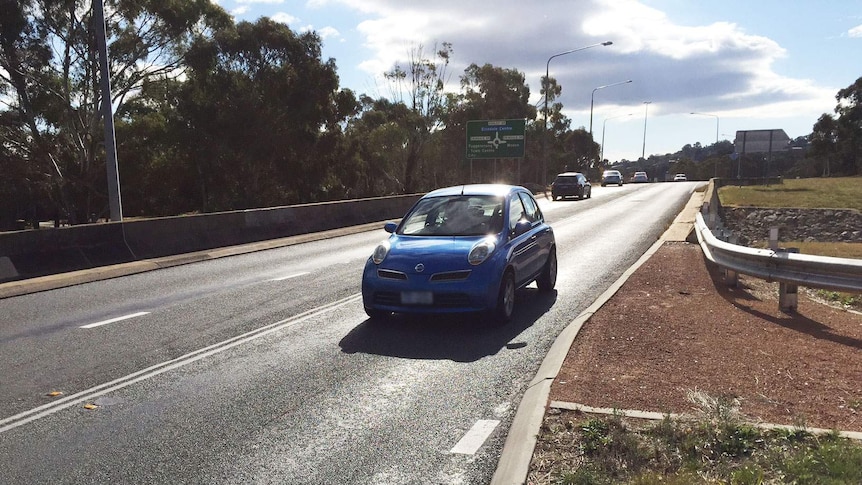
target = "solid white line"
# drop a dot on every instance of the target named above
(118, 319)
(290, 276)
(47, 409)
(475, 438)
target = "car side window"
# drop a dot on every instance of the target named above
(516, 212)
(530, 208)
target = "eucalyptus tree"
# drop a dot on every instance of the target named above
(49, 85)
(836, 141)
(262, 115)
(488, 92)
(421, 87)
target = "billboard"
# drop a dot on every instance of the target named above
(761, 141)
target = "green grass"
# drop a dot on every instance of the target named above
(815, 193)
(716, 446)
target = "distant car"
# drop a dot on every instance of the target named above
(640, 178)
(612, 177)
(571, 184)
(461, 249)
(680, 177)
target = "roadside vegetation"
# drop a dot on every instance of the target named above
(810, 193)
(715, 445)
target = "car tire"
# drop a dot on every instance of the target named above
(581, 193)
(502, 313)
(548, 277)
(590, 192)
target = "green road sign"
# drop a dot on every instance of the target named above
(495, 138)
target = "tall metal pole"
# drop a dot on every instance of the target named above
(114, 200)
(547, 84)
(716, 137)
(592, 100)
(602, 155)
(646, 110)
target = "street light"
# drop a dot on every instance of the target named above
(546, 85)
(646, 110)
(716, 137)
(602, 153)
(592, 96)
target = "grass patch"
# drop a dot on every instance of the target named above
(715, 446)
(814, 193)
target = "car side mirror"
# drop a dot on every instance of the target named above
(521, 227)
(390, 227)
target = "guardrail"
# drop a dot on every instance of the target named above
(790, 269)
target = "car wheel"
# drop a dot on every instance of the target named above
(581, 193)
(502, 314)
(548, 277)
(590, 192)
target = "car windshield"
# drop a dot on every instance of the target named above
(612, 173)
(566, 179)
(459, 215)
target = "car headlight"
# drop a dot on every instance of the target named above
(481, 251)
(380, 252)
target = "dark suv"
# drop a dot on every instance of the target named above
(570, 184)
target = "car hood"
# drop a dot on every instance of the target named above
(435, 253)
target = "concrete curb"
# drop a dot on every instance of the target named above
(514, 464)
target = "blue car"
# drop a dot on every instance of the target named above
(461, 249)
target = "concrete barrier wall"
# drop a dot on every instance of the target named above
(27, 254)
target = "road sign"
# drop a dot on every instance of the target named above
(496, 138)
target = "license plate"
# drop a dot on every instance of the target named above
(417, 298)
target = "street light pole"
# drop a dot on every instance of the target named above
(602, 155)
(592, 99)
(716, 138)
(646, 110)
(546, 86)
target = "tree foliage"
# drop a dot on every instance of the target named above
(836, 141)
(49, 80)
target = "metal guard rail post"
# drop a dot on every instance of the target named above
(828, 273)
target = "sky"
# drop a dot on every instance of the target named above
(741, 64)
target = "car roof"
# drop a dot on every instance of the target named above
(476, 189)
(612, 170)
(568, 174)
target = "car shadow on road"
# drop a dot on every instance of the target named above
(460, 338)
(742, 299)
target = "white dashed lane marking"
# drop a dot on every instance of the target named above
(475, 438)
(113, 320)
(290, 276)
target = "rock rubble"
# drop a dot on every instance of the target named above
(752, 224)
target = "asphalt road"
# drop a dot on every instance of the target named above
(263, 367)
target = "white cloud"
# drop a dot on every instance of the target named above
(855, 31)
(260, 1)
(284, 18)
(716, 67)
(329, 33)
(241, 10)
